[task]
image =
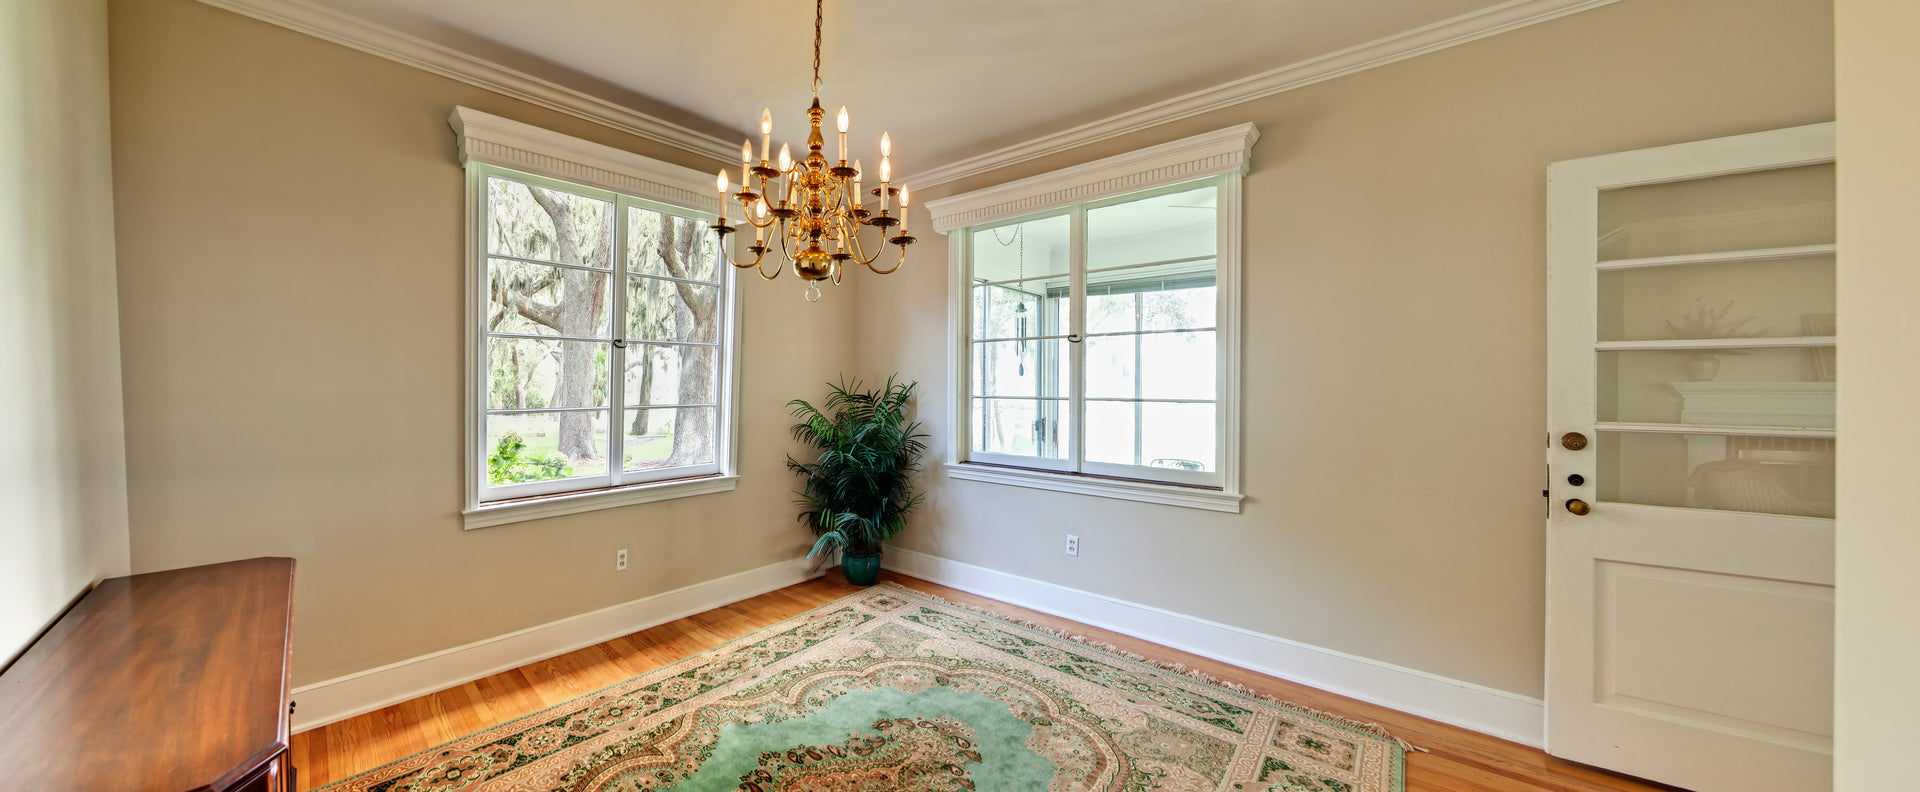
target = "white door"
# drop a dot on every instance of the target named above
(1691, 449)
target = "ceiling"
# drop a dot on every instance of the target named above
(948, 79)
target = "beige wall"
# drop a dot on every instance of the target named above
(290, 216)
(1395, 362)
(63, 496)
(1877, 669)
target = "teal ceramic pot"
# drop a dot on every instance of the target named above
(862, 570)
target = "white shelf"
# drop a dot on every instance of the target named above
(1685, 344)
(1722, 257)
(1714, 429)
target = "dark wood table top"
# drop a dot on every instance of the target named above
(163, 682)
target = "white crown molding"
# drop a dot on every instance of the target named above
(1211, 154)
(1509, 716)
(358, 693)
(493, 140)
(351, 31)
(1379, 52)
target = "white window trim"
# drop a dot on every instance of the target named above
(1226, 153)
(490, 140)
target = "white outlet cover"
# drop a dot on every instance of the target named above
(1073, 545)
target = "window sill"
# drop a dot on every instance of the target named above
(1122, 489)
(490, 514)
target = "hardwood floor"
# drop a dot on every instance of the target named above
(1457, 760)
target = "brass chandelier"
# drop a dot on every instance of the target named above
(813, 203)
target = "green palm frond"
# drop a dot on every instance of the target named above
(859, 489)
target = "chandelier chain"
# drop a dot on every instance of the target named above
(819, 22)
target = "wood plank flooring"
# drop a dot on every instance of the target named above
(1458, 760)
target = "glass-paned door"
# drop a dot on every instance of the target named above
(1691, 378)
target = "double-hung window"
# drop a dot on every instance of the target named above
(601, 327)
(1097, 339)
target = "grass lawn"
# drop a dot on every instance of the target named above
(542, 438)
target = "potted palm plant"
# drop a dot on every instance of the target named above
(857, 493)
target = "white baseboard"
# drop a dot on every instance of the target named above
(343, 697)
(1509, 716)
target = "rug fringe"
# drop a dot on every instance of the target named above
(1183, 669)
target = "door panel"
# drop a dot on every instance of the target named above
(1690, 568)
(1667, 639)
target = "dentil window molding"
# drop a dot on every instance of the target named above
(1227, 150)
(506, 143)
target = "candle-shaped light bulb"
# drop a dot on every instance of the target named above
(886, 170)
(786, 162)
(843, 134)
(766, 133)
(746, 161)
(760, 232)
(722, 184)
(858, 196)
(903, 210)
(886, 144)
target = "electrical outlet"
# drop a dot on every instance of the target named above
(620, 561)
(1073, 545)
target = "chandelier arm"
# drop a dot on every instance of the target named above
(754, 265)
(784, 236)
(896, 265)
(860, 250)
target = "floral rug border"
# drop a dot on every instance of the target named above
(1399, 746)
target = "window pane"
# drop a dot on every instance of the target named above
(1165, 297)
(670, 374)
(1020, 310)
(543, 446)
(1745, 299)
(669, 246)
(1018, 368)
(1035, 248)
(532, 299)
(1022, 427)
(1113, 433)
(1745, 473)
(538, 223)
(1162, 228)
(1785, 207)
(669, 438)
(1156, 366)
(1755, 387)
(1153, 434)
(524, 374)
(664, 310)
(1179, 436)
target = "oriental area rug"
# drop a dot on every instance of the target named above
(891, 690)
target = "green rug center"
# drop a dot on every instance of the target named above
(997, 737)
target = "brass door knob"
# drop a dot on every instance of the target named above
(1579, 507)
(1574, 441)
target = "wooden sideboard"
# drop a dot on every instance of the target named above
(164, 682)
